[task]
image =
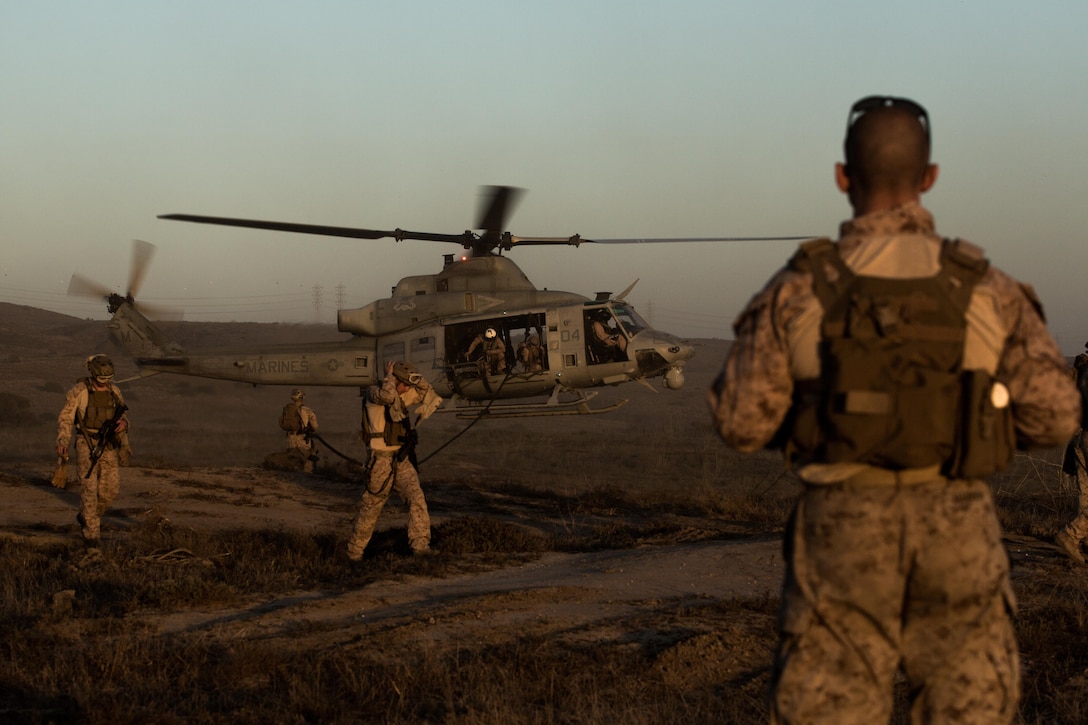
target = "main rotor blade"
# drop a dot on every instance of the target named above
(464, 239)
(577, 239)
(282, 226)
(496, 205)
(668, 240)
(80, 286)
(141, 257)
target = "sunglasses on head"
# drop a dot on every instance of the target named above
(870, 103)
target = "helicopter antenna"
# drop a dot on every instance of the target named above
(627, 291)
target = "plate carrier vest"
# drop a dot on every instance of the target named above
(892, 391)
(101, 405)
(393, 433)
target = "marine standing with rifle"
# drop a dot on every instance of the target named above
(96, 410)
(391, 439)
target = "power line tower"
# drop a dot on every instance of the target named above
(319, 298)
(340, 295)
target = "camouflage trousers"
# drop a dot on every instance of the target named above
(304, 445)
(883, 578)
(387, 475)
(97, 492)
(1078, 527)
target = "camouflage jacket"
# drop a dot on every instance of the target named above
(380, 398)
(75, 407)
(778, 334)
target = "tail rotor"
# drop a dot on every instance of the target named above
(80, 286)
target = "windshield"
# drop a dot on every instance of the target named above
(628, 319)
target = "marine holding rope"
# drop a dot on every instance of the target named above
(390, 436)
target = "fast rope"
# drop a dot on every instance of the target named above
(482, 414)
(318, 437)
(474, 421)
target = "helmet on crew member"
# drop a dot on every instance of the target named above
(297, 394)
(490, 333)
(407, 373)
(101, 367)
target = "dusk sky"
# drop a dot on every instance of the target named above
(691, 118)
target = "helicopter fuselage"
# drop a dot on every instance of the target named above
(478, 331)
(572, 353)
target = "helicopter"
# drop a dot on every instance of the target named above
(437, 322)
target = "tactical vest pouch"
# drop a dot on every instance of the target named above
(395, 432)
(986, 439)
(894, 418)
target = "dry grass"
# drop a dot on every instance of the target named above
(81, 644)
(71, 653)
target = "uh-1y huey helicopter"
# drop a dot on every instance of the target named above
(465, 328)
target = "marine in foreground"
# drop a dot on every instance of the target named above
(896, 370)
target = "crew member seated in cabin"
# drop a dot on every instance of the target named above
(606, 343)
(531, 354)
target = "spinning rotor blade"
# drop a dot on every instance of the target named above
(141, 257)
(80, 286)
(497, 204)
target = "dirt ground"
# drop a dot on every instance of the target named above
(582, 593)
(199, 445)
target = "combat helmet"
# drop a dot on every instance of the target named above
(490, 333)
(297, 394)
(100, 367)
(407, 373)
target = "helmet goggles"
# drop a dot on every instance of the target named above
(870, 103)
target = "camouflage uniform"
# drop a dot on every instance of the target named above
(531, 354)
(99, 490)
(385, 472)
(494, 350)
(890, 569)
(1076, 465)
(301, 440)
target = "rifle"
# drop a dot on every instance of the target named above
(105, 436)
(408, 448)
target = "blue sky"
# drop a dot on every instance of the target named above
(621, 120)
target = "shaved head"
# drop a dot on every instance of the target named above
(887, 150)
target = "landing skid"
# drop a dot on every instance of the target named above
(553, 406)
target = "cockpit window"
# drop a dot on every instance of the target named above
(629, 319)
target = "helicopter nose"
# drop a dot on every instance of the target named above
(662, 354)
(680, 351)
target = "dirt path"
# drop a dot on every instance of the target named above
(583, 595)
